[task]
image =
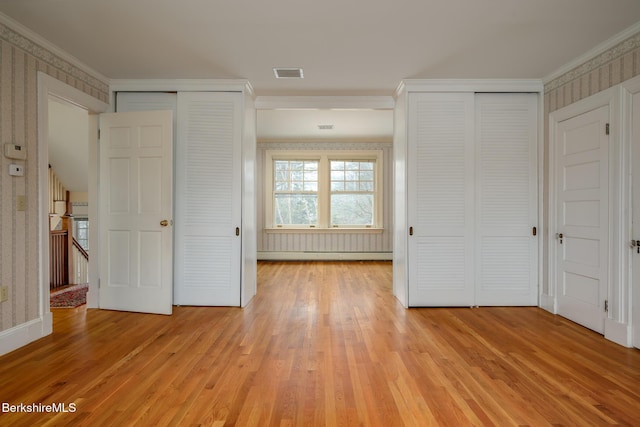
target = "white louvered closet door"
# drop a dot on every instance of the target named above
(472, 201)
(208, 199)
(506, 199)
(441, 199)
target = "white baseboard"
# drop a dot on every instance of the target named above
(23, 334)
(325, 256)
(92, 298)
(547, 302)
(619, 333)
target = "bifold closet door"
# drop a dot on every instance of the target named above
(506, 199)
(441, 199)
(472, 205)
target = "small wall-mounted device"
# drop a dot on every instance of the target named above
(16, 170)
(13, 151)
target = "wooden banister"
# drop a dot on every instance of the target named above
(80, 249)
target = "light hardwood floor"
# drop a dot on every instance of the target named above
(323, 344)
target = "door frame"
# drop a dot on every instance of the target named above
(616, 326)
(631, 88)
(49, 86)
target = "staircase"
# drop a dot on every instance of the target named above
(68, 260)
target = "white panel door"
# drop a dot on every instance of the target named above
(635, 260)
(582, 239)
(441, 199)
(506, 199)
(208, 199)
(136, 245)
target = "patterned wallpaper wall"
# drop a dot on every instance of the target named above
(327, 242)
(20, 60)
(610, 68)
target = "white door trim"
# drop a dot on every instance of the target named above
(630, 89)
(615, 321)
(47, 86)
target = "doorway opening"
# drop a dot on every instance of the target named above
(68, 134)
(54, 95)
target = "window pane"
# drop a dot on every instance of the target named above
(366, 186)
(366, 175)
(337, 186)
(337, 176)
(282, 165)
(296, 175)
(351, 176)
(351, 209)
(296, 209)
(352, 166)
(81, 232)
(366, 165)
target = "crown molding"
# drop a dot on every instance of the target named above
(19, 32)
(616, 46)
(171, 85)
(470, 85)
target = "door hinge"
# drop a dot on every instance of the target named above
(606, 306)
(606, 129)
(98, 134)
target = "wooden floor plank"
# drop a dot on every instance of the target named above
(323, 344)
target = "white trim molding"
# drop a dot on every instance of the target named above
(471, 85)
(182, 85)
(25, 333)
(49, 86)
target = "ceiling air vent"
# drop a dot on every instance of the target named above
(325, 127)
(288, 73)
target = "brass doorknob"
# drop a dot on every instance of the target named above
(164, 223)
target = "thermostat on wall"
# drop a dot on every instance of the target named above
(13, 151)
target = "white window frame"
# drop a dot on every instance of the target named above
(324, 188)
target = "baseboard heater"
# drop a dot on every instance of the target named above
(325, 256)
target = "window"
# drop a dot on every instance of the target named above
(323, 190)
(81, 232)
(295, 198)
(352, 192)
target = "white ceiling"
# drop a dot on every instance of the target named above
(354, 47)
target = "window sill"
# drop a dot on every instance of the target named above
(336, 230)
